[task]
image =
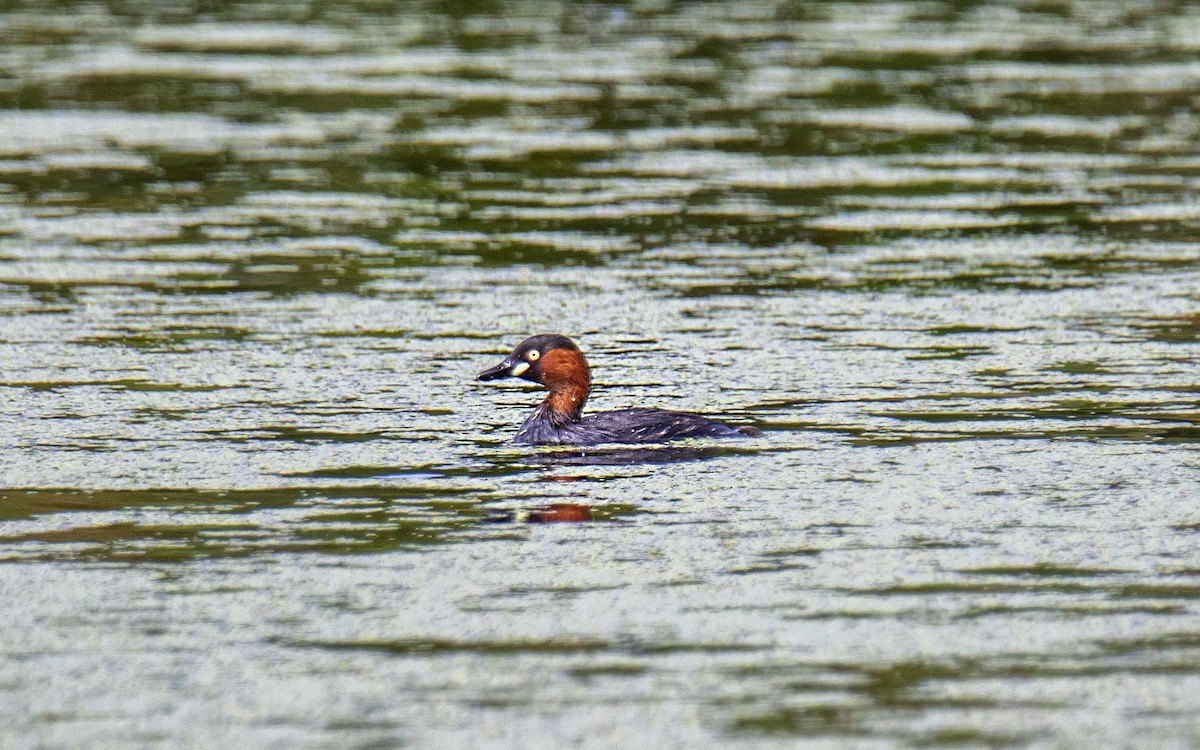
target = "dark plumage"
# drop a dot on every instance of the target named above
(555, 362)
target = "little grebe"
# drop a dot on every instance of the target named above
(555, 362)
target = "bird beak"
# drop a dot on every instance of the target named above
(506, 369)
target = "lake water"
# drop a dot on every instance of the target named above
(945, 255)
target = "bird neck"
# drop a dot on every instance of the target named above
(565, 405)
(566, 374)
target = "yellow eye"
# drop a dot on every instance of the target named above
(532, 355)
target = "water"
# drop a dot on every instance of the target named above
(943, 254)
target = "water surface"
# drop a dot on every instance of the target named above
(943, 254)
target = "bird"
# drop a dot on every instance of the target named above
(555, 362)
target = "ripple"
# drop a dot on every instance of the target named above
(874, 221)
(897, 118)
(1063, 126)
(990, 201)
(846, 173)
(1184, 211)
(318, 82)
(99, 227)
(1095, 79)
(242, 37)
(576, 213)
(587, 192)
(48, 131)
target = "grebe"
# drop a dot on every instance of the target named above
(555, 361)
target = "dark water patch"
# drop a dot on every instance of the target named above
(1157, 591)
(894, 684)
(292, 434)
(793, 552)
(936, 588)
(118, 384)
(772, 566)
(25, 503)
(1163, 643)
(1043, 569)
(560, 646)
(171, 339)
(369, 472)
(851, 615)
(900, 692)
(963, 329)
(1066, 610)
(365, 530)
(1183, 330)
(557, 592)
(806, 721)
(378, 333)
(923, 542)
(418, 647)
(967, 737)
(1082, 368)
(422, 476)
(591, 672)
(951, 352)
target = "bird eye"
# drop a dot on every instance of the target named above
(532, 355)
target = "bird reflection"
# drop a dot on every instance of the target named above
(625, 456)
(552, 513)
(560, 513)
(578, 512)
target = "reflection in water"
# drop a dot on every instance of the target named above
(630, 456)
(552, 513)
